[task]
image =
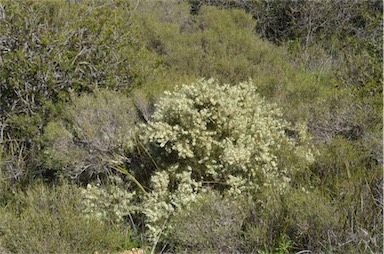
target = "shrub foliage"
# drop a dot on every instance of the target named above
(95, 133)
(43, 219)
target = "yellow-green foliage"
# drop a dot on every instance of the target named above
(222, 44)
(353, 173)
(98, 132)
(46, 219)
(350, 165)
(218, 224)
(304, 216)
(216, 43)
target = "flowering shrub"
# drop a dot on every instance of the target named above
(222, 137)
(108, 203)
(230, 137)
(160, 204)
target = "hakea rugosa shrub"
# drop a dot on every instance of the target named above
(229, 135)
(221, 137)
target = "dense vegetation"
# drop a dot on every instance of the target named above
(191, 126)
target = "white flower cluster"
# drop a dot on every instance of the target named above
(227, 137)
(225, 133)
(108, 204)
(166, 199)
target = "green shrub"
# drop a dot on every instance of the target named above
(213, 224)
(352, 173)
(51, 220)
(349, 165)
(216, 44)
(346, 35)
(265, 223)
(304, 218)
(310, 218)
(97, 132)
(52, 48)
(221, 44)
(341, 114)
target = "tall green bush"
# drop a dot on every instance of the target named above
(50, 49)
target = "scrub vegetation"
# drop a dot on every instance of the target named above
(191, 126)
